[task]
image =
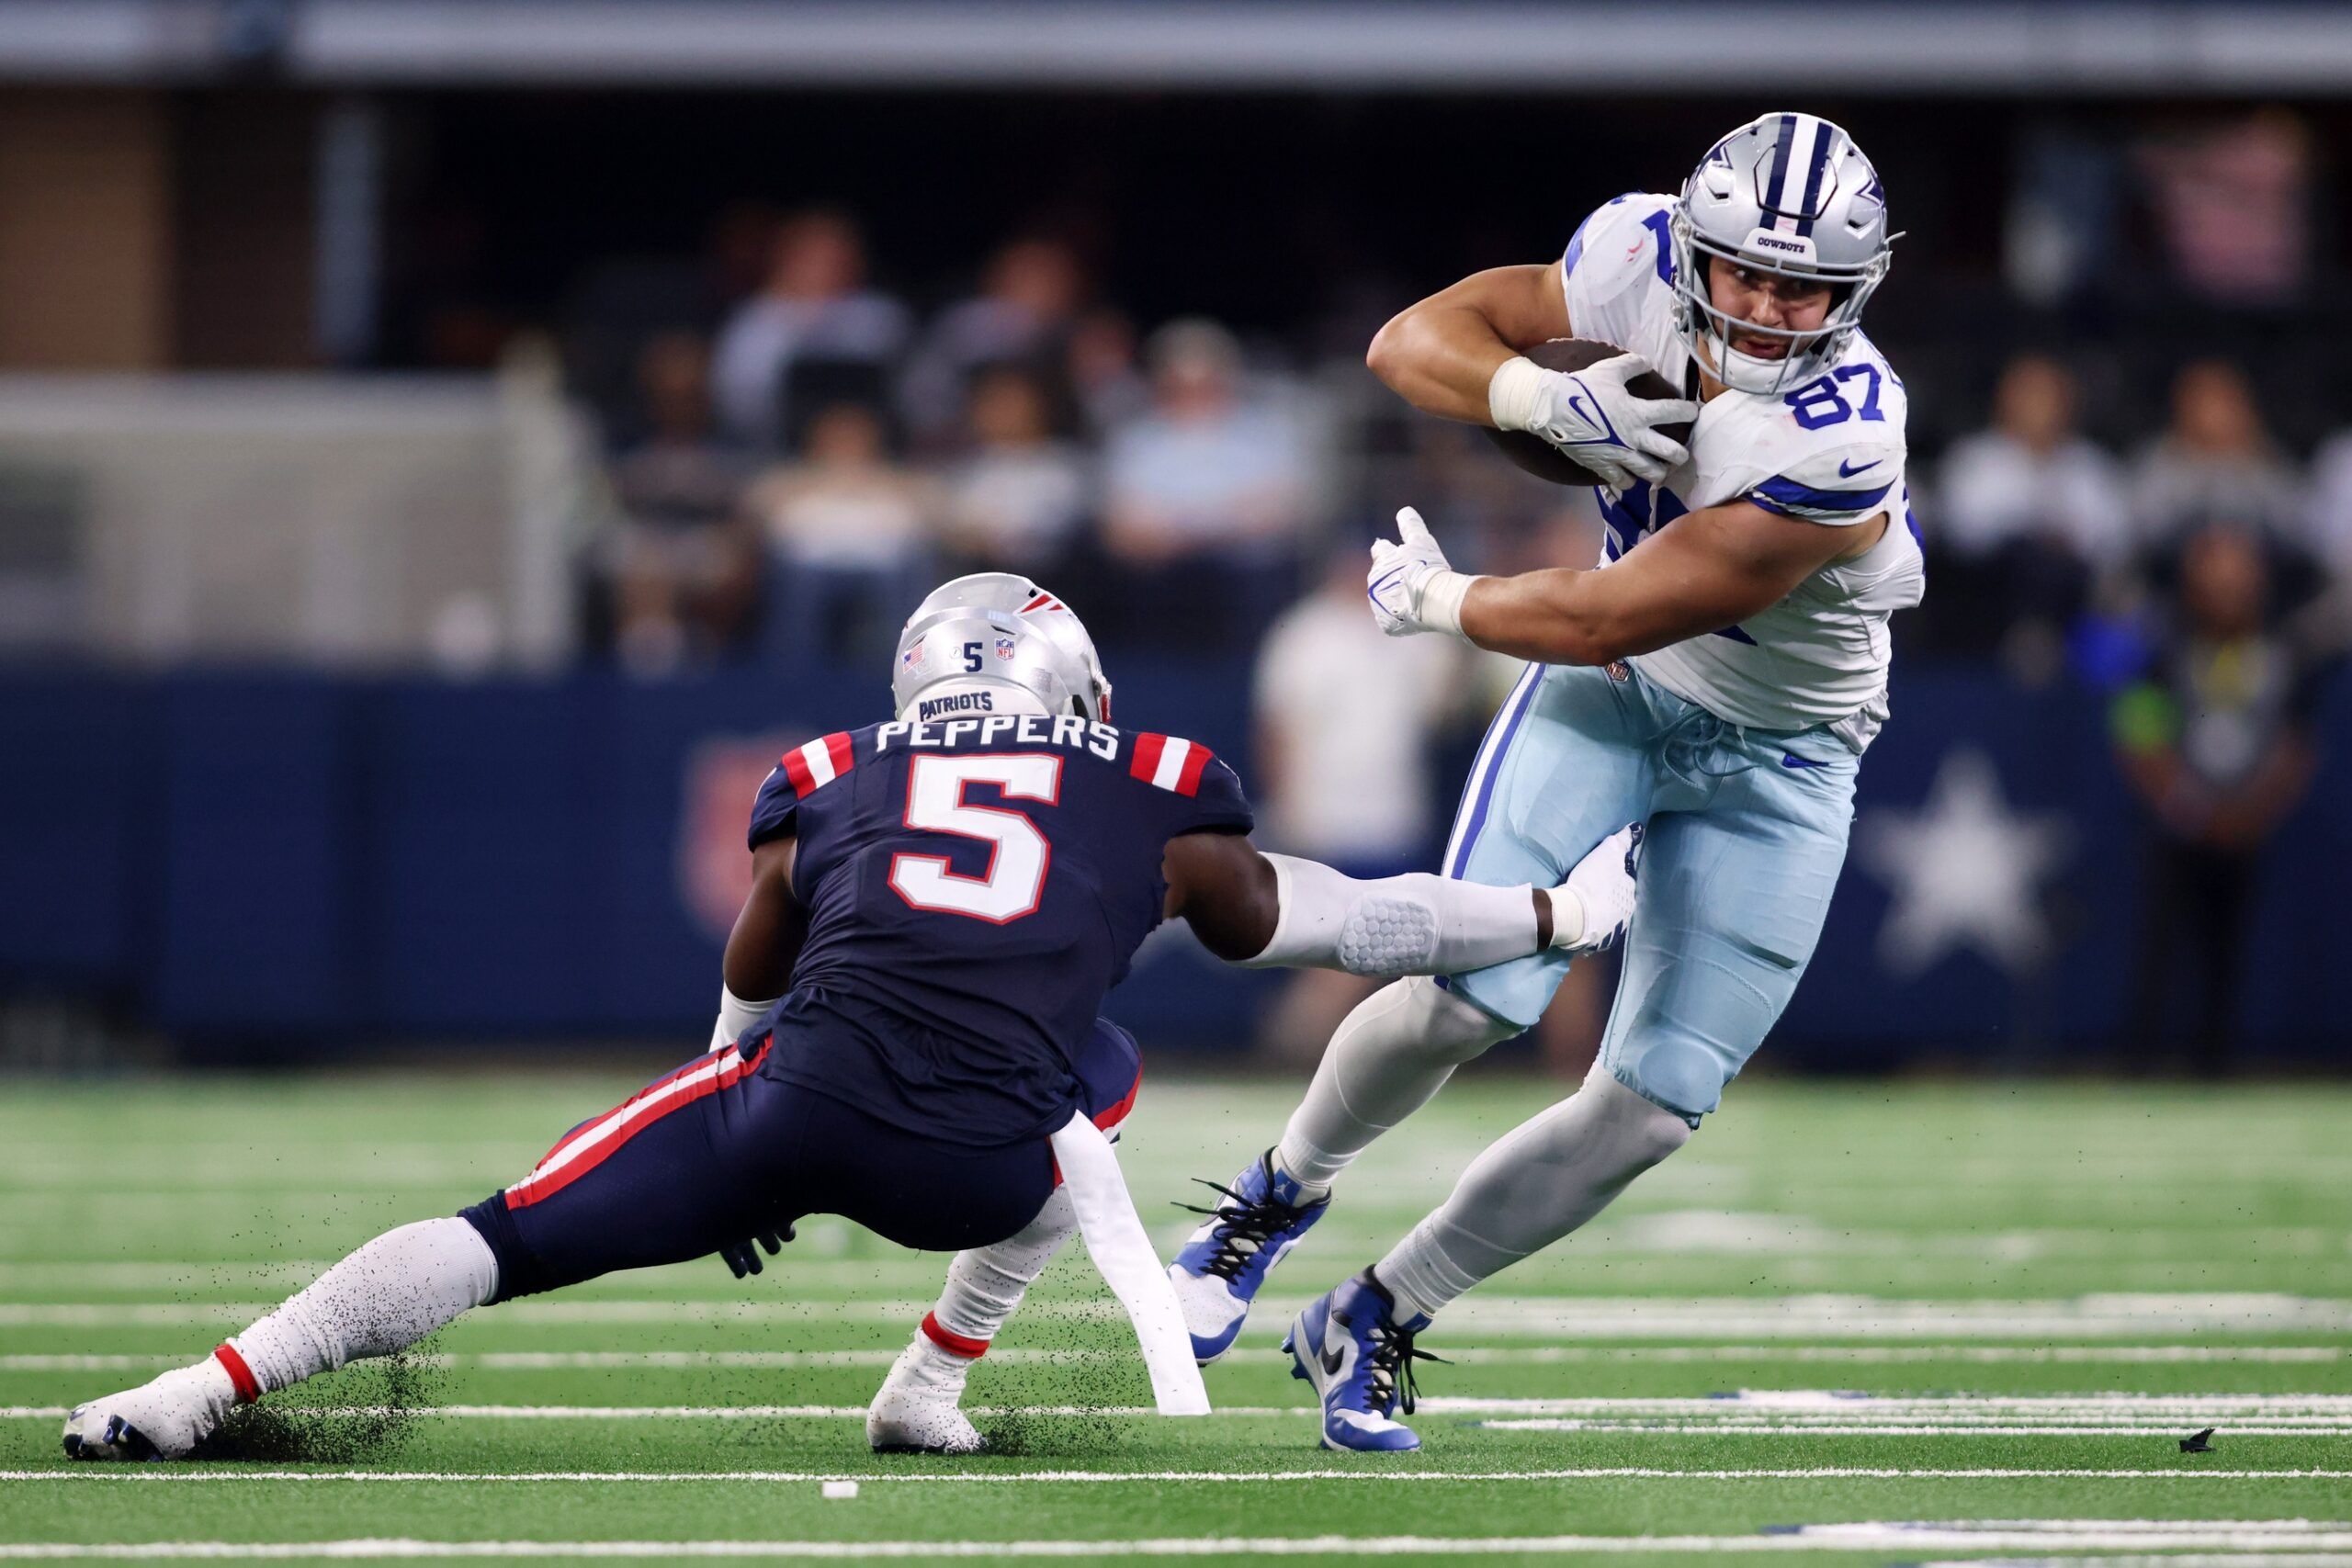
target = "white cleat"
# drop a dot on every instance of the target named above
(163, 1419)
(918, 1410)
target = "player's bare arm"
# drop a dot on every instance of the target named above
(769, 928)
(1709, 569)
(1457, 354)
(762, 949)
(1439, 354)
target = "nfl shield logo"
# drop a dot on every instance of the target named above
(1004, 647)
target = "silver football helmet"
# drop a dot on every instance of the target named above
(1788, 193)
(1000, 627)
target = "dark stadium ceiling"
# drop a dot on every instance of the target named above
(2079, 45)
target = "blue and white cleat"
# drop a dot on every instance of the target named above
(1357, 1354)
(1259, 1219)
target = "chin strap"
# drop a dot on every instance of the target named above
(1116, 1241)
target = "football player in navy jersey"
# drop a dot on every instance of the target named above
(908, 1034)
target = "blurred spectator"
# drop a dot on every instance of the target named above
(2234, 204)
(2215, 463)
(813, 320)
(1018, 500)
(846, 527)
(1024, 316)
(1204, 494)
(2214, 742)
(1109, 389)
(1342, 734)
(2026, 512)
(683, 572)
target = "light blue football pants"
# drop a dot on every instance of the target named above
(1747, 830)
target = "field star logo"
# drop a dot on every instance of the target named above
(1965, 873)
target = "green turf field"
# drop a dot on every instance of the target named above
(1855, 1323)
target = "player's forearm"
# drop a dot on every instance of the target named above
(1414, 924)
(1556, 616)
(1440, 357)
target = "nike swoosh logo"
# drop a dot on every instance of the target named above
(1846, 473)
(1333, 1362)
(1372, 593)
(1583, 413)
(1791, 759)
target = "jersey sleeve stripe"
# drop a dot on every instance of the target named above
(818, 763)
(1793, 500)
(1196, 758)
(1169, 775)
(795, 768)
(1169, 762)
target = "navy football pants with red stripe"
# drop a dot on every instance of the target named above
(712, 1154)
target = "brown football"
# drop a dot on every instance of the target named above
(1545, 461)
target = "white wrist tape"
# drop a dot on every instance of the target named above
(1440, 600)
(1515, 396)
(736, 1015)
(1415, 924)
(1567, 916)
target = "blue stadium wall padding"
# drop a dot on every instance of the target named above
(324, 861)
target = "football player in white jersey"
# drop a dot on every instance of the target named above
(1717, 675)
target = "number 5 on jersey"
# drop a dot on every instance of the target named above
(1018, 854)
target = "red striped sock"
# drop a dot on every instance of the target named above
(242, 1375)
(954, 1344)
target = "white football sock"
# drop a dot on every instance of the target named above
(985, 1283)
(1538, 1182)
(383, 1298)
(1386, 1059)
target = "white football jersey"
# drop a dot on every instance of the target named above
(1829, 450)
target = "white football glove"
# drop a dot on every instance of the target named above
(1602, 887)
(1589, 416)
(1410, 586)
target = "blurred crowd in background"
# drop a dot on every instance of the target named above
(703, 390)
(790, 467)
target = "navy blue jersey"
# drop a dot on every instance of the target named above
(974, 886)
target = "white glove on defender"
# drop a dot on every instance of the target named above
(1411, 588)
(1589, 416)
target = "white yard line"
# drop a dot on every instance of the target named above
(2255, 1536)
(1778, 1412)
(167, 1475)
(2133, 1315)
(2169, 1559)
(2240, 1430)
(1464, 1355)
